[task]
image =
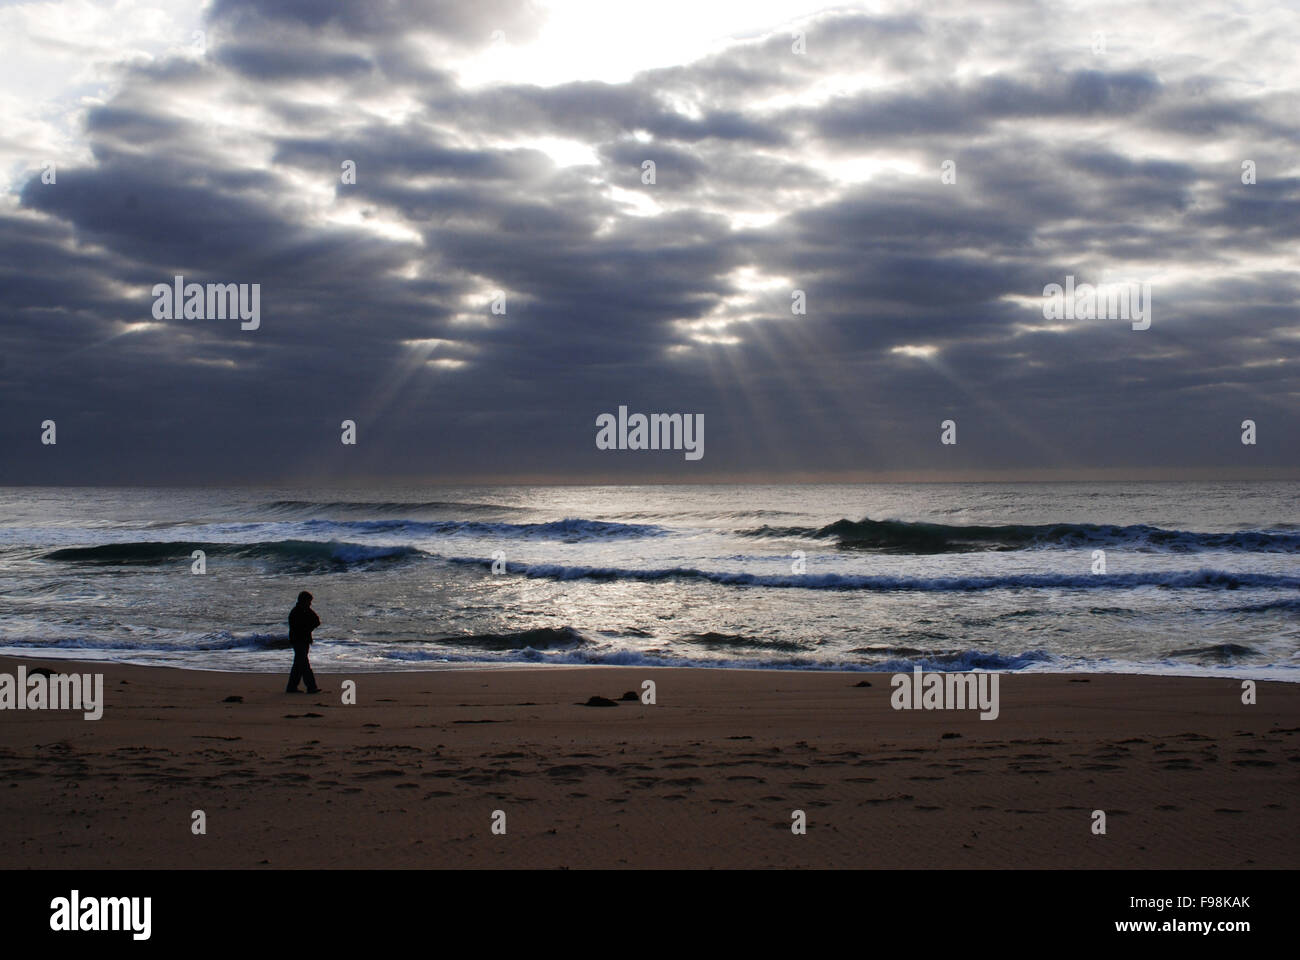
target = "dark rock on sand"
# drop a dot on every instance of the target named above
(600, 702)
(630, 695)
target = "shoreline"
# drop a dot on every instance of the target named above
(709, 776)
(1241, 672)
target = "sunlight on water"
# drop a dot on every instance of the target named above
(1197, 577)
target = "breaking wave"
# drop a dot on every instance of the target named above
(1189, 579)
(221, 640)
(1217, 652)
(902, 536)
(540, 638)
(297, 554)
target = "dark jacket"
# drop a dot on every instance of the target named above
(302, 621)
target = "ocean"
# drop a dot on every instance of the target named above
(1180, 578)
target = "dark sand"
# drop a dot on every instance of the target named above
(708, 777)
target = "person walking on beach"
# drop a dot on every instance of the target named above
(302, 621)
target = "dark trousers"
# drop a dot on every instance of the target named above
(301, 670)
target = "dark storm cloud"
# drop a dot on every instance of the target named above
(395, 155)
(377, 295)
(274, 62)
(465, 22)
(969, 109)
(138, 127)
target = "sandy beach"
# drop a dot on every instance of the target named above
(410, 776)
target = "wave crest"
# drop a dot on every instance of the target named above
(1183, 579)
(302, 555)
(902, 536)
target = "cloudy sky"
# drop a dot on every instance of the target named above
(500, 147)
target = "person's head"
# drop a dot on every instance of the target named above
(304, 599)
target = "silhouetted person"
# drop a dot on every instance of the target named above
(302, 621)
